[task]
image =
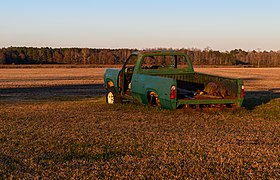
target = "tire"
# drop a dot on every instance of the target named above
(112, 96)
(153, 99)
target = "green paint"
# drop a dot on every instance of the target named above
(167, 68)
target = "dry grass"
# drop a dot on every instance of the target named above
(48, 137)
(88, 139)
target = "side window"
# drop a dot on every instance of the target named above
(182, 62)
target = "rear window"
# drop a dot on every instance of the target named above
(155, 62)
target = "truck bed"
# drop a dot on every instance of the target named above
(196, 83)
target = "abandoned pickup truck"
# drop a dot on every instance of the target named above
(167, 79)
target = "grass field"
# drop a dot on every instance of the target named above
(54, 123)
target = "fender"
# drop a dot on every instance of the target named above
(111, 75)
(143, 84)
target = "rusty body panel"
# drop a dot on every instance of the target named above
(167, 79)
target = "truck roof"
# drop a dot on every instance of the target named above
(159, 52)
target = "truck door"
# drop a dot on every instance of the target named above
(125, 75)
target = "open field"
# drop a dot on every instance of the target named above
(254, 78)
(30, 83)
(54, 124)
(44, 83)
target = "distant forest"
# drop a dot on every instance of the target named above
(87, 56)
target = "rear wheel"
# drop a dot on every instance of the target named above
(112, 96)
(153, 99)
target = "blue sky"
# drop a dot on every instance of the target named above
(219, 24)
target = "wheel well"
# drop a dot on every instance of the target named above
(152, 98)
(110, 84)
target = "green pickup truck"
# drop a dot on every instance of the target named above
(167, 79)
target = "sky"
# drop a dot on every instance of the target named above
(217, 24)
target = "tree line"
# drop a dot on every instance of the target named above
(88, 56)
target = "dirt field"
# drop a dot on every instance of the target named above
(255, 79)
(54, 124)
(38, 83)
(262, 79)
(45, 83)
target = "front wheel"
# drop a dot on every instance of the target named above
(112, 97)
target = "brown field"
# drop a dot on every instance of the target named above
(254, 78)
(54, 124)
(30, 83)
